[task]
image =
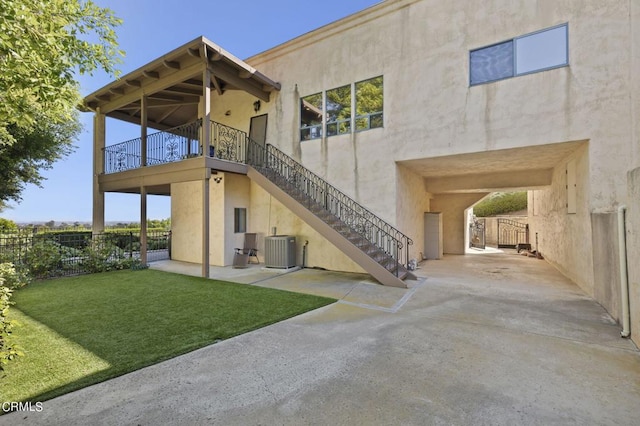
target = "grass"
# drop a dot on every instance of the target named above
(83, 330)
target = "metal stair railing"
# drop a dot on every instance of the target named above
(364, 229)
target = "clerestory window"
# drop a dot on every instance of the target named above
(539, 51)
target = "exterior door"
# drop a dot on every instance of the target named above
(256, 153)
(258, 129)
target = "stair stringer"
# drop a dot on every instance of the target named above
(376, 270)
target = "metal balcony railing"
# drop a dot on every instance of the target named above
(178, 143)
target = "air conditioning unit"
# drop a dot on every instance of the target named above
(280, 251)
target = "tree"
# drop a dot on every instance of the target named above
(8, 224)
(44, 44)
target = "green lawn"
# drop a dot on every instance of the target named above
(83, 330)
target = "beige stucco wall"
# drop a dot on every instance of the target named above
(412, 201)
(186, 218)
(421, 48)
(266, 212)
(453, 208)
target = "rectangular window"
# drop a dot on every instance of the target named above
(526, 54)
(339, 111)
(239, 220)
(311, 117)
(369, 104)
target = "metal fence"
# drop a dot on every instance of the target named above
(64, 253)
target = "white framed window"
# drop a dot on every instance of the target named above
(539, 51)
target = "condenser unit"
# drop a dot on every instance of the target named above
(280, 251)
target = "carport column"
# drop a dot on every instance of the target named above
(97, 225)
(206, 140)
(143, 225)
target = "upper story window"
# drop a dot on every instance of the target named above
(311, 117)
(333, 112)
(339, 111)
(526, 54)
(369, 104)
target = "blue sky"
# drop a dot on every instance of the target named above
(150, 29)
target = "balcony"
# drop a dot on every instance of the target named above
(177, 144)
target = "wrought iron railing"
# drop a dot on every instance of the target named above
(178, 143)
(313, 191)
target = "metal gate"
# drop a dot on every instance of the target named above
(511, 233)
(477, 234)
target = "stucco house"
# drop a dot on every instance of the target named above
(370, 138)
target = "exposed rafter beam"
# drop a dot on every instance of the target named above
(172, 64)
(151, 74)
(117, 91)
(216, 85)
(181, 91)
(245, 74)
(243, 84)
(168, 113)
(136, 120)
(194, 52)
(168, 80)
(105, 98)
(133, 83)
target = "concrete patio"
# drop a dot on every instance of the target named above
(483, 339)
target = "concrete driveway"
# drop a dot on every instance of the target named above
(485, 339)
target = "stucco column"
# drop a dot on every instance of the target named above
(97, 224)
(143, 225)
(205, 227)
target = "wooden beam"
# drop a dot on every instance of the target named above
(151, 74)
(243, 84)
(216, 85)
(117, 91)
(133, 83)
(105, 98)
(162, 96)
(245, 74)
(168, 113)
(171, 79)
(180, 90)
(194, 52)
(172, 64)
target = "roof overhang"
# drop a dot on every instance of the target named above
(173, 85)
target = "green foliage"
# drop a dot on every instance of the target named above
(500, 203)
(9, 280)
(44, 258)
(6, 224)
(103, 257)
(43, 43)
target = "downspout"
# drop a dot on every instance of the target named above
(624, 279)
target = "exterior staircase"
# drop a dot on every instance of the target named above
(379, 248)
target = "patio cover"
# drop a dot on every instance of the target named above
(173, 85)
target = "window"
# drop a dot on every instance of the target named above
(334, 110)
(369, 104)
(526, 54)
(339, 111)
(239, 220)
(311, 117)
